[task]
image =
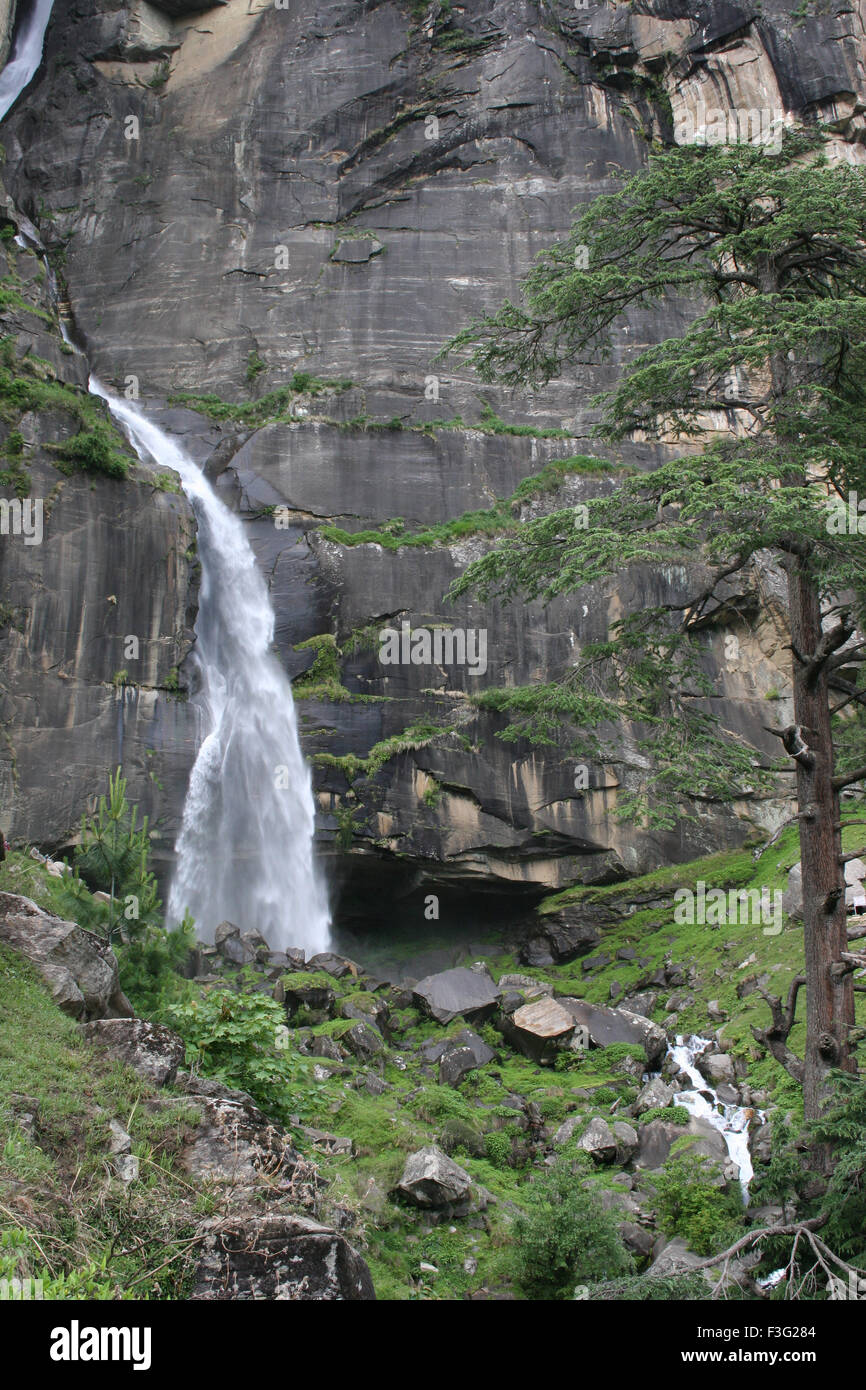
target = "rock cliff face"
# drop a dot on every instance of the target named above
(247, 197)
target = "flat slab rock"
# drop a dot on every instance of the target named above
(279, 1257)
(456, 992)
(544, 1018)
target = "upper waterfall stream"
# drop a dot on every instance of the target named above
(245, 849)
(26, 54)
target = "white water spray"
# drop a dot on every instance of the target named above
(732, 1121)
(26, 55)
(245, 849)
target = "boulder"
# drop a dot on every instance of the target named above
(637, 1239)
(78, 967)
(558, 938)
(322, 1045)
(643, 1003)
(599, 1141)
(606, 1025)
(538, 1029)
(279, 1257)
(467, 1053)
(454, 1064)
(528, 987)
(655, 1095)
(659, 1136)
(567, 1128)
(297, 995)
(234, 1144)
(332, 964)
(363, 1041)
(676, 1258)
(431, 1179)
(627, 1141)
(456, 992)
(153, 1051)
(259, 946)
(717, 1067)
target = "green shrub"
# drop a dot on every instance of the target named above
(689, 1204)
(674, 1114)
(497, 1148)
(150, 963)
(842, 1128)
(235, 1039)
(565, 1237)
(92, 452)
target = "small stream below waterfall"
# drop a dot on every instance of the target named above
(703, 1102)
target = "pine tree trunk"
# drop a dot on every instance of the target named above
(829, 990)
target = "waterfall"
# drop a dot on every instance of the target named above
(26, 54)
(245, 849)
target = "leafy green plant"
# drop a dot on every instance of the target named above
(565, 1237)
(691, 1204)
(236, 1039)
(842, 1128)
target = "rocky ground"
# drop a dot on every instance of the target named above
(425, 1108)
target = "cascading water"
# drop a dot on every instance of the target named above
(245, 849)
(26, 54)
(732, 1121)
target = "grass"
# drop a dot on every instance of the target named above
(59, 1211)
(269, 409)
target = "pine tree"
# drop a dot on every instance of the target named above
(771, 247)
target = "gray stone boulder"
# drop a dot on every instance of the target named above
(233, 1144)
(279, 1257)
(659, 1136)
(676, 1258)
(79, 968)
(455, 993)
(525, 984)
(431, 1179)
(467, 1053)
(599, 1141)
(295, 993)
(643, 1003)
(153, 1051)
(627, 1141)
(558, 938)
(655, 1095)
(332, 964)
(607, 1025)
(637, 1239)
(363, 1041)
(567, 1128)
(454, 1064)
(717, 1067)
